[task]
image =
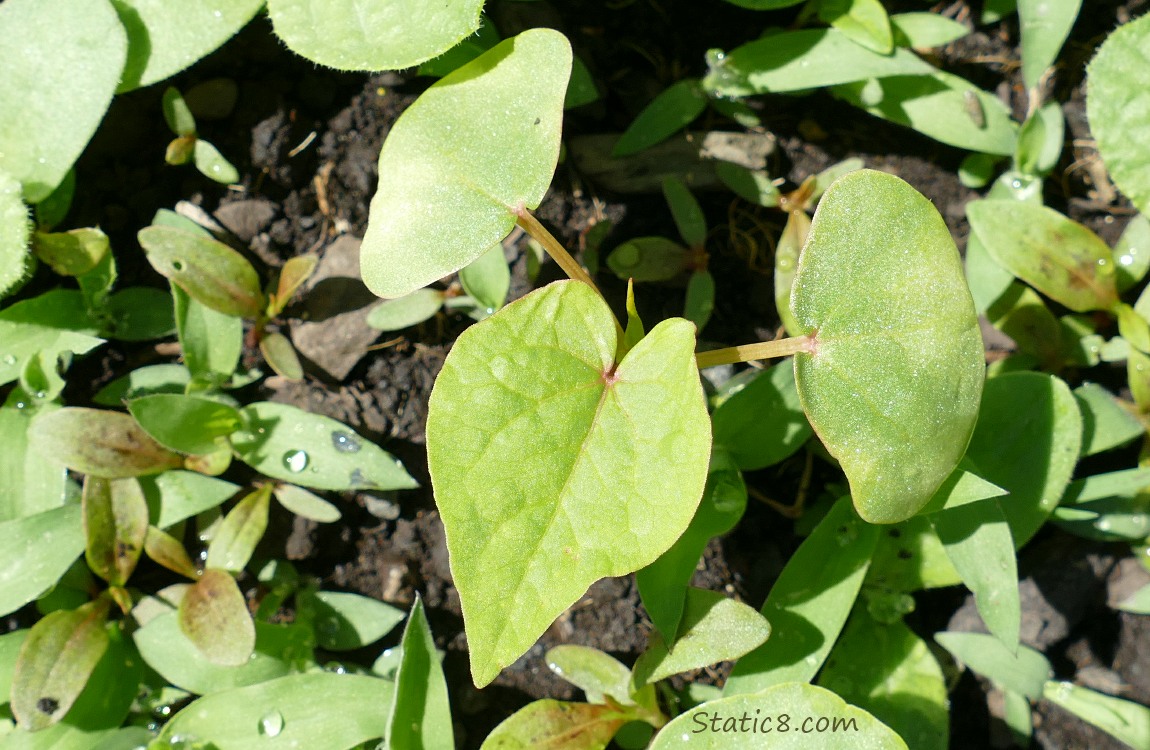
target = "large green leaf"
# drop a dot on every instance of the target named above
(792, 716)
(1060, 258)
(372, 34)
(62, 62)
(809, 603)
(14, 233)
(320, 709)
(806, 59)
(894, 377)
(474, 148)
(35, 551)
(165, 38)
(888, 670)
(554, 466)
(312, 450)
(1117, 98)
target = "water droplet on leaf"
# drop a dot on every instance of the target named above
(344, 443)
(272, 724)
(296, 461)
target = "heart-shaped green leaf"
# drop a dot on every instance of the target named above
(209, 271)
(372, 35)
(1117, 94)
(474, 148)
(62, 62)
(553, 466)
(897, 361)
(1060, 258)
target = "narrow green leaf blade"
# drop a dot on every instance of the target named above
(1060, 258)
(211, 341)
(214, 616)
(1043, 26)
(1023, 671)
(1126, 720)
(450, 180)
(526, 527)
(306, 504)
(319, 709)
(374, 35)
(55, 662)
(63, 60)
(809, 603)
(1117, 95)
(420, 714)
(898, 359)
(793, 713)
(242, 529)
(673, 109)
(312, 450)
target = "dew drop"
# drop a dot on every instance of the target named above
(1126, 260)
(295, 461)
(345, 443)
(1016, 184)
(9, 359)
(272, 724)
(21, 405)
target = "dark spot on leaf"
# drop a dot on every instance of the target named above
(536, 120)
(905, 554)
(47, 705)
(357, 480)
(894, 533)
(344, 442)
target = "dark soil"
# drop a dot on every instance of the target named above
(306, 142)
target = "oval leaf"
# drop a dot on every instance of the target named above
(166, 550)
(281, 356)
(115, 526)
(460, 161)
(785, 716)
(898, 362)
(214, 616)
(373, 35)
(101, 443)
(553, 467)
(1059, 257)
(188, 424)
(304, 710)
(648, 259)
(1023, 670)
(487, 279)
(348, 621)
(55, 662)
(62, 62)
(164, 39)
(287, 443)
(209, 271)
(595, 673)
(306, 504)
(674, 108)
(406, 311)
